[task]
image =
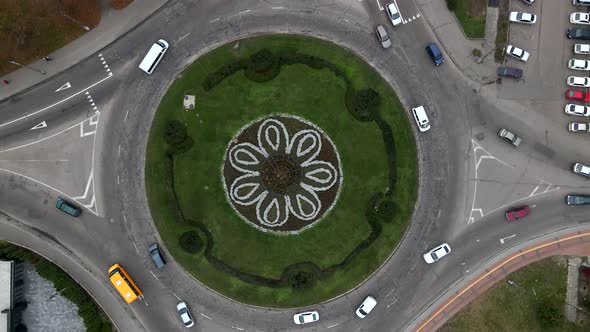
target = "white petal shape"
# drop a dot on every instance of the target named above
(272, 210)
(273, 137)
(247, 189)
(320, 175)
(306, 204)
(246, 157)
(305, 146)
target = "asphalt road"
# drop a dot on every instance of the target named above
(93, 147)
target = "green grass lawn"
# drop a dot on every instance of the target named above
(316, 95)
(517, 308)
(471, 14)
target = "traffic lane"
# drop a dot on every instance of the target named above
(77, 235)
(44, 99)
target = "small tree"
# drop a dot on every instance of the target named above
(190, 242)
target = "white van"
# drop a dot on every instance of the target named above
(581, 2)
(421, 118)
(153, 56)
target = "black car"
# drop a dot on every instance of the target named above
(510, 72)
(578, 33)
(577, 199)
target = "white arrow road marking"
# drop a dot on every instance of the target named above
(507, 238)
(64, 87)
(378, 4)
(39, 126)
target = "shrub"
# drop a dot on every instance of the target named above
(184, 146)
(222, 73)
(452, 4)
(549, 314)
(476, 52)
(364, 104)
(191, 242)
(301, 280)
(262, 61)
(175, 133)
(385, 210)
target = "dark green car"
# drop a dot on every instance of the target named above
(68, 207)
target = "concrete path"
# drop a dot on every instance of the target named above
(459, 48)
(571, 296)
(113, 25)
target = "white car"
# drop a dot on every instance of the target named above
(577, 127)
(580, 18)
(393, 13)
(520, 17)
(366, 307)
(573, 109)
(421, 118)
(185, 315)
(306, 317)
(518, 53)
(581, 169)
(582, 82)
(437, 253)
(577, 64)
(582, 48)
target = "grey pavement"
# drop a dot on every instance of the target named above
(47, 310)
(113, 25)
(459, 48)
(571, 295)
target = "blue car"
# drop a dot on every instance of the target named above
(435, 54)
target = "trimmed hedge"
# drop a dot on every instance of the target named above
(363, 105)
(191, 242)
(94, 318)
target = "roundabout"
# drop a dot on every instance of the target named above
(289, 187)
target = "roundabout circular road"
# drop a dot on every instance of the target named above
(467, 176)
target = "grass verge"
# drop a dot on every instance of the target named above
(94, 318)
(471, 14)
(31, 29)
(316, 95)
(535, 302)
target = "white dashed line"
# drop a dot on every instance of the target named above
(206, 316)
(154, 275)
(333, 325)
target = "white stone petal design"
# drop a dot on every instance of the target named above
(272, 211)
(273, 137)
(247, 189)
(320, 175)
(305, 146)
(246, 157)
(305, 204)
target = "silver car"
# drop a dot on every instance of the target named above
(581, 169)
(509, 137)
(382, 36)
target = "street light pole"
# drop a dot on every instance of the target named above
(28, 67)
(76, 21)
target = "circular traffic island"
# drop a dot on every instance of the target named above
(292, 179)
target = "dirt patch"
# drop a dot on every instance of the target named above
(31, 29)
(120, 4)
(477, 7)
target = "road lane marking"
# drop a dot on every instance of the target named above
(135, 247)
(507, 238)
(154, 275)
(64, 87)
(181, 38)
(333, 325)
(176, 296)
(39, 126)
(54, 104)
(202, 314)
(119, 153)
(118, 182)
(378, 4)
(125, 116)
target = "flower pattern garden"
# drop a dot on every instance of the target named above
(293, 179)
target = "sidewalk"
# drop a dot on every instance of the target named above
(113, 25)
(465, 291)
(447, 30)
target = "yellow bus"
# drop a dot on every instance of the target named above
(124, 284)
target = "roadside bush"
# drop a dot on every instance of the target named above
(184, 146)
(191, 242)
(365, 105)
(222, 73)
(302, 280)
(263, 67)
(261, 61)
(549, 314)
(385, 210)
(452, 4)
(175, 133)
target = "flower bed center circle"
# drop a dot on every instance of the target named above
(281, 174)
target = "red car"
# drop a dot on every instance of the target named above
(521, 212)
(577, 95)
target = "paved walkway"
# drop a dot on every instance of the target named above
(571, 296)
(575, 244)
(459, 48)
(113, 25)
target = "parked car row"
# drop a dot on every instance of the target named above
(514, 51)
